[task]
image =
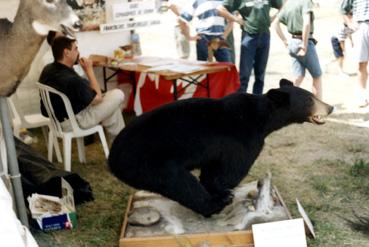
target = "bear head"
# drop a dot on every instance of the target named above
(298, 104)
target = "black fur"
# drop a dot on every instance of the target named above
(222, 137)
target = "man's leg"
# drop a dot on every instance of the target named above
(108, 113)
(363, 77)
(317, 87)
(261, 60)
(362, 55)
(312, 64)
(298, 71)
(298, 80)
(248, 49)
(202, 48)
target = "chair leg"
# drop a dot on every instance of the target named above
(16, 130)
(52, 143)
(81, 150)
(103, 142)
(44, 132)
(50, 147)
(67, 146)
(57, 149)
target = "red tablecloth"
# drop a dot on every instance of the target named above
(154, 93)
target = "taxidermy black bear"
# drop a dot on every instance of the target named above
(221, 137)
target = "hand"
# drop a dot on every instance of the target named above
(354, 25)
(195, 37)
(239, 20)
(301, 52)
(85, 63)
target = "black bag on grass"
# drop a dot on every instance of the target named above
(41, 176)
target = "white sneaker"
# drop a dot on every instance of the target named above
(343, 75)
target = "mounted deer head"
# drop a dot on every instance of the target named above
(20, 40)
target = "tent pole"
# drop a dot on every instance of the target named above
(13, 162)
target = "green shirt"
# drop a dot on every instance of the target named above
(254, 12)
(292, 15)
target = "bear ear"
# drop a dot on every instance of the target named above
(278, 97)
(284, 82)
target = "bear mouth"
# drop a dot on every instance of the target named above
(317, 119)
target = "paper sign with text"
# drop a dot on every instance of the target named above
(287, 233)
(128, 10)
(128, 25)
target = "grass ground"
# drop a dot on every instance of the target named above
(326, 168)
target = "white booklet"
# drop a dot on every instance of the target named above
(179, 68)
(286, 233)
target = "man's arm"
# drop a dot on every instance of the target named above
(94, 84)
(347, 18)
(185, 17)
(175, 9)
(305, 33)
(222, 11)
(185, 29)
(228, 29)
(277, 27)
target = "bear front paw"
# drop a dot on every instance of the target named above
(225, 197)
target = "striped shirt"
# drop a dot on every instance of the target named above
(359, 8)
(209, 21)
(343, 32)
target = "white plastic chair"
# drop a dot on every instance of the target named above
(75, 132)
(30, 121)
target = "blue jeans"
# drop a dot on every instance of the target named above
(221, 54)
(254, 55)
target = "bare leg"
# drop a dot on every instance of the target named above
(298, 81)
(340, 63)
(317, 87)
(363, 77)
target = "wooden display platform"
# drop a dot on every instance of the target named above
(229, 239)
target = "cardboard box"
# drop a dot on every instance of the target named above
(242, 238)
(54, 213)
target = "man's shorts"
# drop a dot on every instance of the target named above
(310, 61)
(362, 42)
(337, 50)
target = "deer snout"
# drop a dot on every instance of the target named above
(77, 25)
(330, 109)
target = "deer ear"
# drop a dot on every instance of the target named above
(40, 28)
(278, 97)
(284, 82)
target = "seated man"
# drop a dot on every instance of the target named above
(90, 106)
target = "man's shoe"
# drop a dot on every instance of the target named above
(89, 139)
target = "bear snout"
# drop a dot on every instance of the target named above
(320, 111)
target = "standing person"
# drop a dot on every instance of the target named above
(182, 43)
(89, 104)
(338, 44)
(210, 28)
(255, 21)
(359, 21)
(298, 16)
